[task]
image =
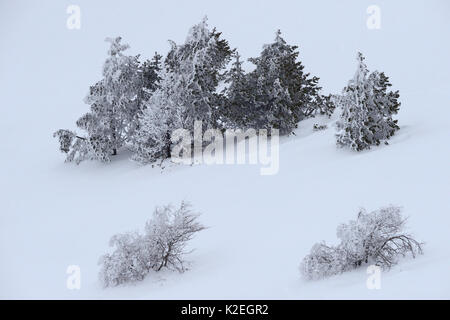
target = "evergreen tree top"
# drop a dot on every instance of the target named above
(278, 38)
(279, 49)
(362, 71)
(198, 32)
(237, 63)
(116, 46)
(202, 45)
(236, 73)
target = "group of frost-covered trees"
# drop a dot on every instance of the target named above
(138, 104)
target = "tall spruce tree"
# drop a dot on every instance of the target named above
(187, 91)
(278, 64)
(367, 109)
(239, 102)
(386, 105)
(115, 103)
(150, 72)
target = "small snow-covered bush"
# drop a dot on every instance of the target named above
(161, 246)
(323, 261)
(376, 237)
(168, 233)
(129, 262)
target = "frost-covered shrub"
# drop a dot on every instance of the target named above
(376, 237)
(323, 261)
(129, 261)
(168, 233)
(161, 246)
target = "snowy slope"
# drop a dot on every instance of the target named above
(54, 214)
(260, 226)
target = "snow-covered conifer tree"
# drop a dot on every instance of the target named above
(199, 62)
(163, 112)
(115, 103)
(240, 99)
(295, 97)
(186, 93)
(150, 72)
(115, 100)
(367, 109)
(386, 104)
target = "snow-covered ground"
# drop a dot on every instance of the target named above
(53, 214)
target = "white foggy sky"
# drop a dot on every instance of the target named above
(55, 65)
